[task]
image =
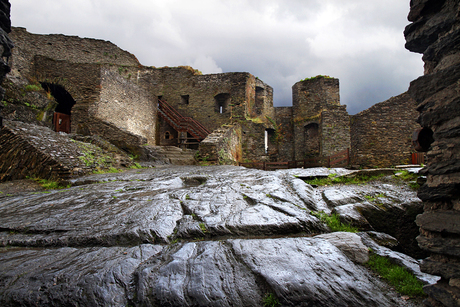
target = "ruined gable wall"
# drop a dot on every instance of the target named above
(435, 32)
(381, 136)
(309, 99)
(73, 49)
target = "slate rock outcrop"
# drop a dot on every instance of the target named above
(435, 32)
(5, 46)
(185, 236)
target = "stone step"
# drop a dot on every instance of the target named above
(174, 155)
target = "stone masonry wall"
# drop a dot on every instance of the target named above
(193, 95)
(223, 145)
(286, 142)
(253, 141)
(126, 105)
(381, 136)
(309, 99)
(435, 32)
(29, 150)
(335, 130)
(82, 81)
(72, 49)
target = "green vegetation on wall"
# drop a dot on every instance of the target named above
(316, 77)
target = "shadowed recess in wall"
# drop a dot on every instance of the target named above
(63, 98)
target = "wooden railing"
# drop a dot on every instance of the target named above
(339, 159)
(181, 123)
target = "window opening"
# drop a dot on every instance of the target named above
(222, 102)
(266, 141)
(184, 99)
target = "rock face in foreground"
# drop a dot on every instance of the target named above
(184, 236)
(435, 32)
(5, 46)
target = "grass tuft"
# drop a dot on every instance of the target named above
(401, 279)
(332, 179)
(410, 178)
(50, 184)
(333, 222)
(270, 300)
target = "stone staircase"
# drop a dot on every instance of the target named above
(172, 155)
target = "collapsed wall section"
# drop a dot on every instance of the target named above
(381, 136)
(30, 150)
(223, 145)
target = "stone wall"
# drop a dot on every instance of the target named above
(309, 99)
(381, 136)
(29, 150)
(286, 141)
(253, 141)
(126, 105)
(82, 81)
(435, 32)
(223, 145)
(200, 96)
(335, 130)
(72, 49)
(34, 151)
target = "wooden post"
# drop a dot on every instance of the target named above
(263, 167)
(348, 156)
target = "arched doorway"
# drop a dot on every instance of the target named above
(312, 140)
(62, 113)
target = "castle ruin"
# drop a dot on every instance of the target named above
(110, 94)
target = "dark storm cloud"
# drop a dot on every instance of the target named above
(281, 42)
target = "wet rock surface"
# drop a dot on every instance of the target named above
(183, 236)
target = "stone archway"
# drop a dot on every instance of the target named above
(63, 111)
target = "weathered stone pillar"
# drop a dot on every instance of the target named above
(435, 32)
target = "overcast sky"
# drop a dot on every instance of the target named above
(280, 41)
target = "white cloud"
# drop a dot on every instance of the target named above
(206, 65)
(280, 41)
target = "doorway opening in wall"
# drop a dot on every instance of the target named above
(312, 140)
(63, 111)
(222, 102)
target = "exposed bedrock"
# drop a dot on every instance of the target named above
(187, 236)
(435, 32)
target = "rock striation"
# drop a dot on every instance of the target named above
(435, 32)
(185, 236)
